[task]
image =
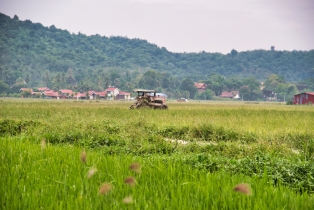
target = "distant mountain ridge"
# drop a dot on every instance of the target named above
(28, 48)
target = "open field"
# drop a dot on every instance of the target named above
(191, 155)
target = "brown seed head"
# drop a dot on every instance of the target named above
(130, 181)
(136, 167)
(83, 157)
(105, 188)
(43, 144)
(91, 172)
(128, 200)
(243, 188)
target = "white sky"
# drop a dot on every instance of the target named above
(181, 25)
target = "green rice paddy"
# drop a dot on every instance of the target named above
(191, 156)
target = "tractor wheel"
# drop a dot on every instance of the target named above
(164, 107)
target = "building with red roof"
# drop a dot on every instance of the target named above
(42, 89)
(101, 95)
(304, 98)
(123, 96)
(65, 93)
(112, 92)
(26, 89)
(230, 94)
(201, 87)
(51, 94)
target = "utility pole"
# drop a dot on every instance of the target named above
(284, 97)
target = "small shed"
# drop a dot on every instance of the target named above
(304, 98)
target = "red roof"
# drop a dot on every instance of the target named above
(66, 91)
(91, 92)
(229, 94)
(43, 89)
(103, 93)
(80, 95)
(26, 89)
(51, 93)
(310, 93)
(111, 89)
(124, 93)
(200, 85)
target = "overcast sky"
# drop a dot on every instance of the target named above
(181, 25)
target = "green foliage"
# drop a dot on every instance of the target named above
(210, 137)
(206, 95)
(273, 81)
(279, 171)
(150, 80)
(3, 87)
(44, 55)
(251, 89)
(188, 86)
(35, 177)
(12, 127)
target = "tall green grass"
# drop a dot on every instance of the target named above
(56, 178)
(267, 145)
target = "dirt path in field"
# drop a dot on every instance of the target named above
(183, 142)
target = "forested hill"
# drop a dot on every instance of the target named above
(29, 49)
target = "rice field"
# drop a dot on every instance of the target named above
(198, 155)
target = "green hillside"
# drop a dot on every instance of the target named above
(38, 55)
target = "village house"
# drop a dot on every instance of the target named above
(123, 96)
(79, 95)
(112, 92)
(36, 94)
(91, 95)
(24, 90)
(65, 93)
(230, 94)
(42, 89)
(50, 94)
(101, 95)
(201, 87)
(304, 98)
(269, 95)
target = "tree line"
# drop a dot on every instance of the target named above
(32, 55)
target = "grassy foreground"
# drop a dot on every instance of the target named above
(191, 156)
(56, 178)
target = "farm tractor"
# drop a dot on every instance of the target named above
(148, 99)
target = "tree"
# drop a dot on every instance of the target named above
(234, 52)
(116, 82)
(251, 89)
(216, 83)
(26, 94)
(186, 94)
(233, 84)
(70, 77)
(285, 91)
(113, 76)
(188, 85)
(47, 78)
(272, 81)
(150, 80)
(206, 95)
(4, 87)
